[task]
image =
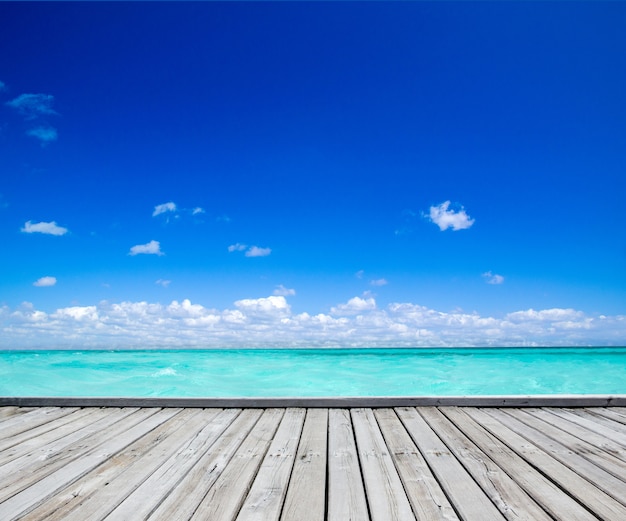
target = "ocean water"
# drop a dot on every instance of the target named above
(314, 372)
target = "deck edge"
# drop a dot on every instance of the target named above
(563, 400)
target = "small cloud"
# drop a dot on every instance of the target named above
(252, 251)
(493, 278)
(44, 282)
(378, 282)
(197, 211)
(445, 218)
(32, 106)
(151, 248)
(164, 283)
(163, 208)
(282, 291)
(237, 247)
(50, 228)
(359, 274)
(3, 86)
(45, 134)
(255, 251)
(223, 218)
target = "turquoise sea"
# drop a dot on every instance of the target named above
(314, 372)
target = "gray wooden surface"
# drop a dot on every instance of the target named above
(312, 464)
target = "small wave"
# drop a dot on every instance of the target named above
(168, 371)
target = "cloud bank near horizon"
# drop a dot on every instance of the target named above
(270, 322)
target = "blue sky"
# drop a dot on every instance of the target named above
(325, 173)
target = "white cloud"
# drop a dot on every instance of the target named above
(269, 321)
(353, 306)
(151, 248)
(3, 86)
(32, 106)
(237, 247)
(163, 208)
(44, 282)
(164, 283)
(545, 315)
(263, 305)
(493, 278)
(255, 251)
(359, 274)
(379, 282)
(252, 251)
(283, 291)
(77, 313)
(51, 228)
(46, 134)
(445, 218)
(197, 211)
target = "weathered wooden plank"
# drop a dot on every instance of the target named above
(615, 414)
(383, 487)
(346, 493)
(11, 410)
(306, 496)
(595, 415)
(161, 483)
(506, 494)
(24, 418)
(591, 423)
(602, 479)
(427, 499)
(600, 503)
(71, 497)
(171, 435)
(593, 438)
(10, 415)
(134, 494)
(224, 499)
(265, 499)
(65, 499)
(21, 472)
(464, 494)
(601, 419)
(184, 499)
(570, 450)
(543, 491)
(215, 468)
(23, 439)
(118, 436)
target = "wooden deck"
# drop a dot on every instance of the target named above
(380, 464)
